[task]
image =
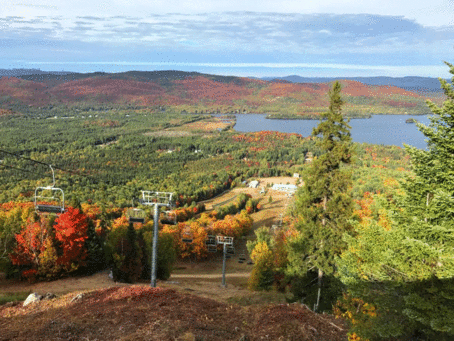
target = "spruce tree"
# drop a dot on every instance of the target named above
(323, 204)
(406, 267)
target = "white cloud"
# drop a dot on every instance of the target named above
(429, 13)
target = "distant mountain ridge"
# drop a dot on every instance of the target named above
(194, 92)
(23, 72)
(411, 83)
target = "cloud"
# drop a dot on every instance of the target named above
(240, 30)
(282, 40)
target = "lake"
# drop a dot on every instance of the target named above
(380, 129)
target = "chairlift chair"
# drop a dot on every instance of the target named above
(187, 237)
(136, 215)
(212, 248)
(242, 257)
(49, 199)
(169, 218)
(211, 240)
(230, 250)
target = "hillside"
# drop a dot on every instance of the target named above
(201, 93)
(144, 313)
(411, 83)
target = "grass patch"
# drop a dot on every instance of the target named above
(13, 296)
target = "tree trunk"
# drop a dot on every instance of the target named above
(319, 282)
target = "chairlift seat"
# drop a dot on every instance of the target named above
(136, 220)
(230, 250)
(242, 257)
(186, 240)
(50, 208)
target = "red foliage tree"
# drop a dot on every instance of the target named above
(71, 232)
(30, 243)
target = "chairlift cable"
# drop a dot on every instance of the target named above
(45, 164)
(21, 169)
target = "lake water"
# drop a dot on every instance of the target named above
(380, 129)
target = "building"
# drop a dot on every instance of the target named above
(254, 184)
(284, 188)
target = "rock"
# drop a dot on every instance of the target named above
(32, 298)
(77, 298)
(49, 296)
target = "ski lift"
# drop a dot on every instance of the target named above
(241, 258)
(211, 240)
(136, 215)
(187, 237)
(49, 199)
(230, 250)
(212, 248)
(169, 217)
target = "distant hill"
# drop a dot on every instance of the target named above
(23, 72)
(424, 84)
(195, 92)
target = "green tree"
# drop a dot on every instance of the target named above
(406, 265)
(324, 204)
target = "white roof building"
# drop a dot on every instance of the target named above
(254, 184)
(284, 188)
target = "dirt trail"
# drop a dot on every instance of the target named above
(227, 275)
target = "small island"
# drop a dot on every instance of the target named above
(411, 120)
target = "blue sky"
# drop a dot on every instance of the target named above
(327, 38)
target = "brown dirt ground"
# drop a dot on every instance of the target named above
(143, 313)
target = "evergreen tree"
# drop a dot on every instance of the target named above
(324, 204)
(403, 261)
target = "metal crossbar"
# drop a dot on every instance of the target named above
(159, 198)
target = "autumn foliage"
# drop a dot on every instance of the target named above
(48, 248)
(71, 233)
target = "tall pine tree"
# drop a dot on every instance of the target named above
(324, 204)
(406, 266)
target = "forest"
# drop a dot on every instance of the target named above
(368, 238)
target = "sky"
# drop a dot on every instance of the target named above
(250, 38)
